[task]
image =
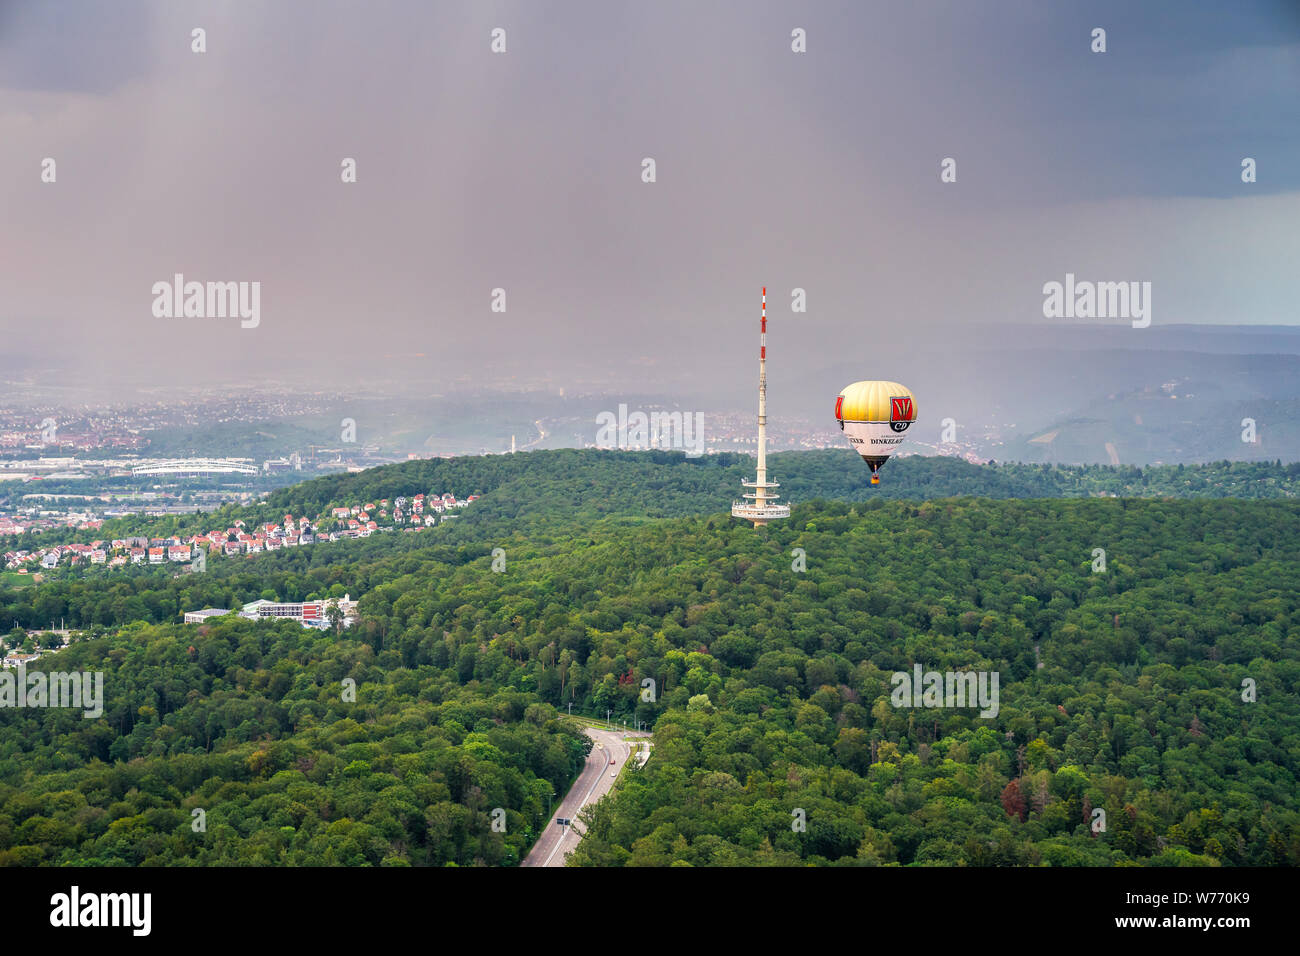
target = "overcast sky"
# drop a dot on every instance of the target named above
(522, 170)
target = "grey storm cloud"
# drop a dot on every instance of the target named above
(522, 171)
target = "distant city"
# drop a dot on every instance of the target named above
(64, 465)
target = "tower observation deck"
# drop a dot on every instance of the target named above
(760, 505)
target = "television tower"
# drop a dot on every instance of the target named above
(761, 506)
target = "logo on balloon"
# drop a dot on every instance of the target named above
(900, 412)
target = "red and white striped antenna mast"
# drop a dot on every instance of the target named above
(760, 506)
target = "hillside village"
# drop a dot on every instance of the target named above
(355, 521)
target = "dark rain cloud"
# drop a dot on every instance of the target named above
(522, 171)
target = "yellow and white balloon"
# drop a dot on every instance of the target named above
(875, 415)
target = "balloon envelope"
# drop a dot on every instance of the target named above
(874, 415)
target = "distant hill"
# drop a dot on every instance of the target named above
(1164, 394)
(662, 484)
(543, 486)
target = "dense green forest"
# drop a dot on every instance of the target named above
(669, 484)
(248, 724)
(1125, 689)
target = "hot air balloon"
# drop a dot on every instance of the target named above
(874, 416)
